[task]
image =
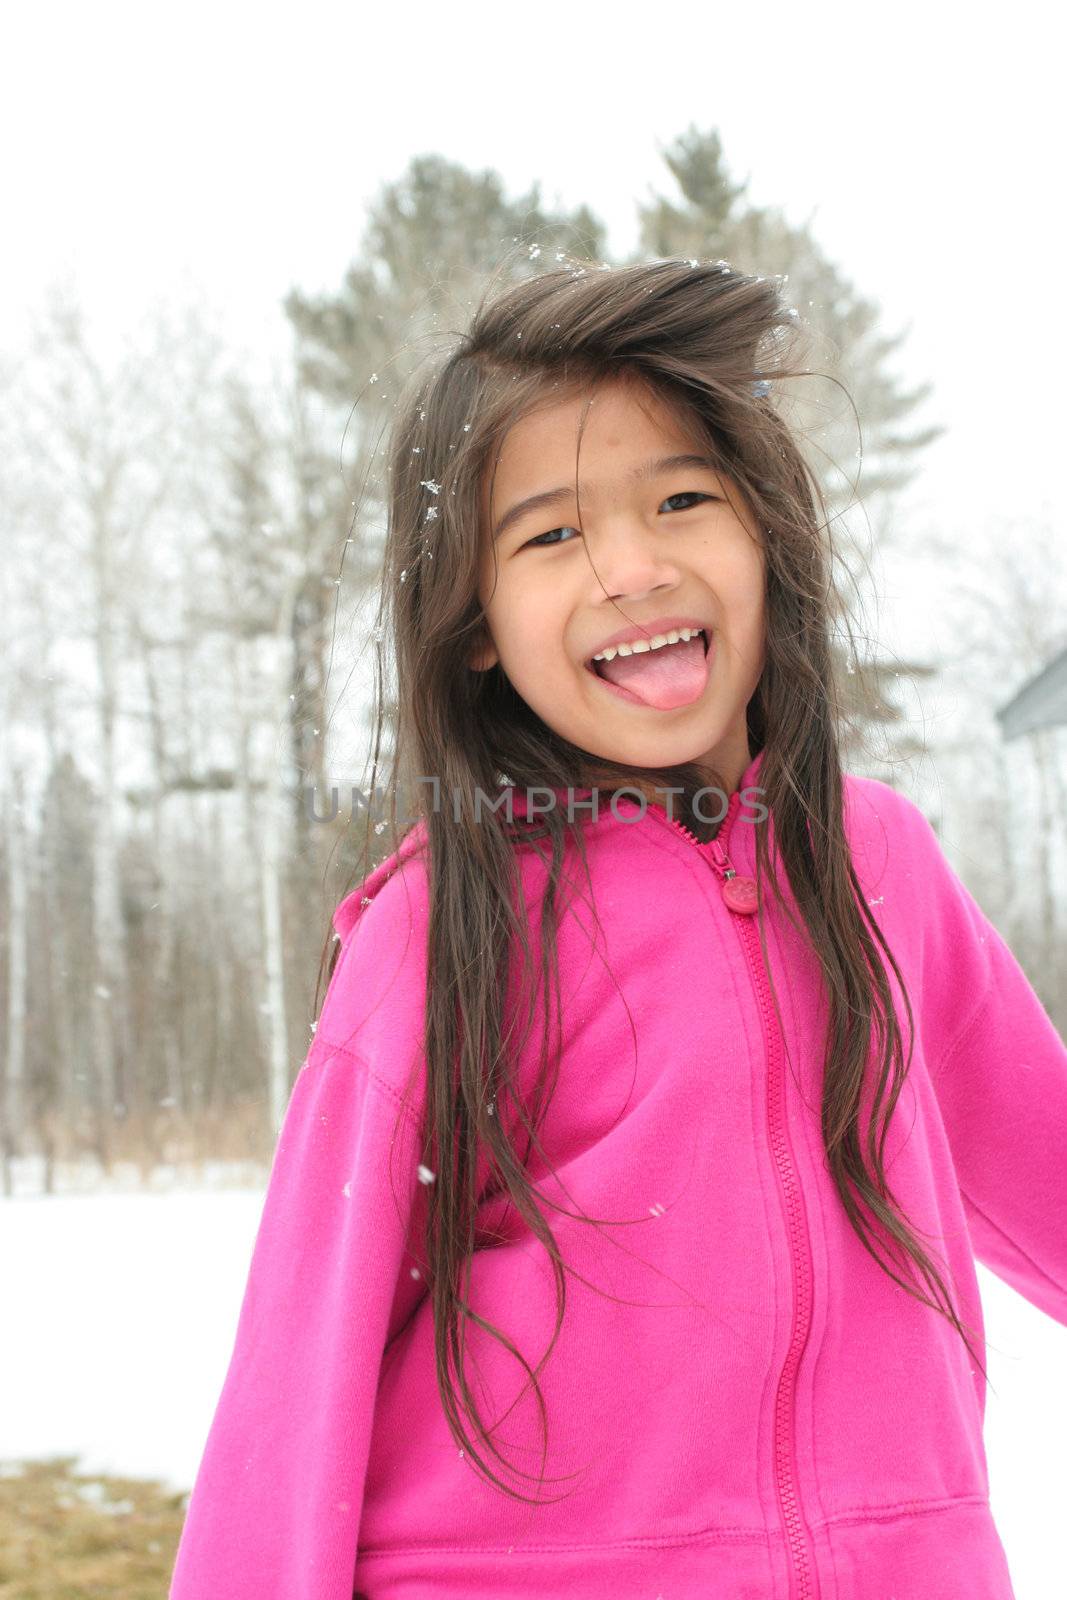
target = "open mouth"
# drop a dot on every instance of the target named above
(595, 667)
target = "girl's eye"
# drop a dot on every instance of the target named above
(546, 542)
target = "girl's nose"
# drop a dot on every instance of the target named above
(629, 559)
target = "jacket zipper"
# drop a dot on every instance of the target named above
(741, 896)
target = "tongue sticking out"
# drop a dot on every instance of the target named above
(671, 676)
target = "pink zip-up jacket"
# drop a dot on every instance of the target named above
(741, 1402)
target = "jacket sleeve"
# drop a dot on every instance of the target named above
(275, 1509)
(999, 1069)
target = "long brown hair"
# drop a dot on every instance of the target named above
(703, 338)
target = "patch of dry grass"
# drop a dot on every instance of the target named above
(66, 1535)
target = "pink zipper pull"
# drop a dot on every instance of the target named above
(740, 892)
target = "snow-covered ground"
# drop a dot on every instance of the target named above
(121, 1308)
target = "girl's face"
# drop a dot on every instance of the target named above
(665, 547)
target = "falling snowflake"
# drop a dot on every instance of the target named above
(425, 1175)
(428, 483)
(347, 1190)
(431, 512)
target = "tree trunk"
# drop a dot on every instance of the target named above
(14, 1082)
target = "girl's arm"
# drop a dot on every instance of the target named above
(999, 1070)
(275, 1509)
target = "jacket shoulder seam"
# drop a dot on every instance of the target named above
(966, 1030)
(374, 1077)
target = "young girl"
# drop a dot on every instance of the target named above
(621, 1234)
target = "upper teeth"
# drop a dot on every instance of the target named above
(654, 643)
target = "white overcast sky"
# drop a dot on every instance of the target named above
(235, 147)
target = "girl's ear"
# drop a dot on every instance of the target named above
(484, 655)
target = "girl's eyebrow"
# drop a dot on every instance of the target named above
(552, 497)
